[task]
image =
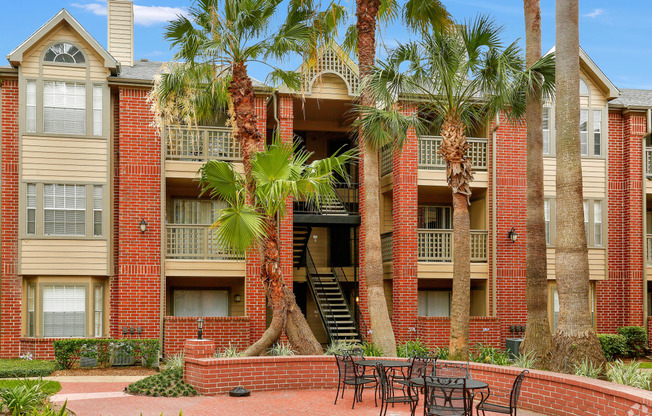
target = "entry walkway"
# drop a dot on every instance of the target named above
(108, 399)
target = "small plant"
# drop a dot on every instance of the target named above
(168, 383)
(442, 353)
(341, 346)
(174, 362)
(525, 360)
(47, 410)
(635, 340)
(27, 356)
(231, 352)
(613, 345)
(412, 348)
(280, 349)
(23, 398)
(490, 355)
(371, 349)
(628, 374)
(587, 369)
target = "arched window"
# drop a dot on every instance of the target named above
(64, 52)
(584, 88)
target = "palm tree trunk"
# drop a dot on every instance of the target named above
(379, 321)
(575, 338)
(459, 175)
(286, 315)
(538, 338)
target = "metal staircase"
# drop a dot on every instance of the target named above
(332, 205)
(301, 235)
(331, 303)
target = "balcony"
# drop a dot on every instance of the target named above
(195, 242)
(199, 144)
(436, 246)
(429, 160)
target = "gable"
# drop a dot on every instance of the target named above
(322, 77)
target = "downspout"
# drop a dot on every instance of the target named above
(494, 228)
(275, 111)
(645, 251)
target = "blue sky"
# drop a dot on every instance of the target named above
(615, 34)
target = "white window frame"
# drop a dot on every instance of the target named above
(31, 206)
(30, 106)
(72, 330)
(52, 204)
(64, 100)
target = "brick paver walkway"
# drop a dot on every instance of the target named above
(109, 399)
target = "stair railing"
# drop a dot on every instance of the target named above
(338, 272)
(312, 273)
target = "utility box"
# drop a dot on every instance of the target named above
(513, 344)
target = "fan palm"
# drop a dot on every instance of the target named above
(463, 76)
(215, 43)
(278, 172)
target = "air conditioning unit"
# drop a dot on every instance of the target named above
(513, 344)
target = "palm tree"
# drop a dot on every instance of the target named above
(538, 337)
(215, 43)
(278, 172)
(575, 338)
(418, 15)
(462, 76)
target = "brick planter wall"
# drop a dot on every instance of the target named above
(435, 331)
(543, 392)
(231, 330)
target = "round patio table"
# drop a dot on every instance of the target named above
(385, 363)
(471, 384)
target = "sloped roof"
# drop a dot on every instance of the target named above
(16, 56)
(633, 98)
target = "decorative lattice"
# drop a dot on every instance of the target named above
(333, 61)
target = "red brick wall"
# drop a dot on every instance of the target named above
(10, 288)
(254, 292)
(404, 216)
(40, 348)
(139, 254)
(435, 331)
(231, 331)
(511, 193)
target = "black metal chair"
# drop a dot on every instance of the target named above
(513, 399)
(390, 393)
(446, 396)
(350, 374)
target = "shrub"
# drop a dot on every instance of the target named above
(635, 339)
(412, 348)
(587, 369)
(174, 362)
(24, 397)
(613, 345)
(47, 387)
(341, 346)
(231, 351)
(371, 349)
(68, 351)
(628, 374)
(442, 353)
(525, 360)
(490, 355)
(47, 410)
(280, 349)
(168, 383)
(13, 368)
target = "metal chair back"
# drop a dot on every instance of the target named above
(422, 365)
(345, 368)
(516, 389)
(449, 369)
(446, 396)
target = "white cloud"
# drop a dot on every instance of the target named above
(595, 13)
(143, 15)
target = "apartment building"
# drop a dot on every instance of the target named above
(104, 231)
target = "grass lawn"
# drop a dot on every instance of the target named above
(49, 386)
(16, 368)
(646, 364)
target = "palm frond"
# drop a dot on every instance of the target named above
(424, 15)
(222, 181)
(239, 227)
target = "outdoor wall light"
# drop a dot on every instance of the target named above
(512, 235)
(200, 328)
(142, 225)
(237, 298)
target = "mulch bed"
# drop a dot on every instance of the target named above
(135, 370)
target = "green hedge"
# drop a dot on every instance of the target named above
(68, 351)
(613, 345)
(636, 340)
(18, 368)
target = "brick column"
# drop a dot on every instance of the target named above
(10, 287)
(138, 285)
(255, 302)
(511, 195)
(404, 216)
(286, 118)
(198, 348)
(363, 320)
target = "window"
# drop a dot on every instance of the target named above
(435, 218)
(547, 209)
(584, 88)
(584, 132)
(201, 303)
(593, 221)
(597, 133)
(97, 210)
(64, 107)
(31, 303)
(31, 208)
(98, 310)
(30, 101)
(193, 211)
(97, 110)
(64, 311)
(586, 219)
(554, 305)
(64, 53)
(434, 303)
(555, 308)
(546, 130)
(597, 223)
(65, 209)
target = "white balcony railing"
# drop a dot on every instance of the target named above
(428, 158)
(648, 161)
(437, 246)
(197, 242)
(201, 144)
